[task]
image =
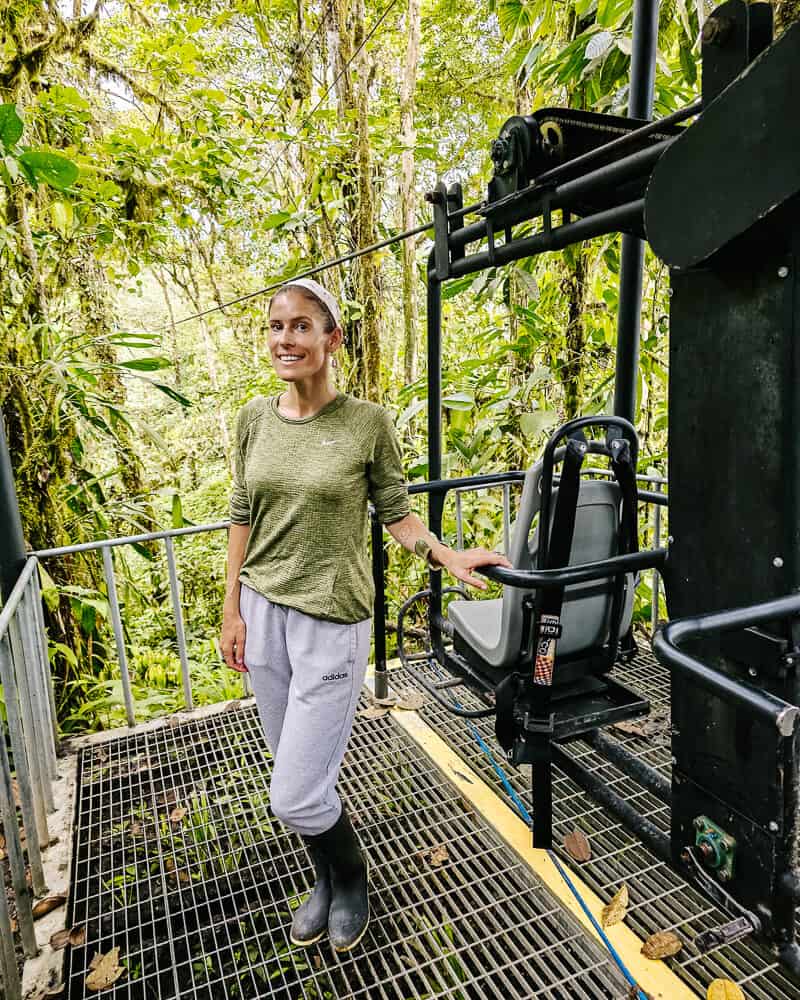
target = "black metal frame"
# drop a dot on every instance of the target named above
(572, 188)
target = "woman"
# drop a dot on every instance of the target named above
(299, 591)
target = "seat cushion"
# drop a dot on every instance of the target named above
(478, 622)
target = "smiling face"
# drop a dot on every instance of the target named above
(300, 342)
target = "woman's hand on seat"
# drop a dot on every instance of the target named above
(232, 641)
(461, 564)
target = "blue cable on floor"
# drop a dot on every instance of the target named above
(526, 816)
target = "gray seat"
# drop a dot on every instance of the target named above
(493, 628)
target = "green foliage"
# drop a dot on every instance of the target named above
(169, 157)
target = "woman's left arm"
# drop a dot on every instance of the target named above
(410, 529)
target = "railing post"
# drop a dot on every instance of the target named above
(9, 976)
(119, 637)
(22, 768)
(506, 518)
(175, 594)
(30, 733)
(41, 633)
(460, 534)
(16, 860)
(656, 578)
(39, 698)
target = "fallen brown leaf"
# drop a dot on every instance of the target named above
(177, 814)
(14, 925)
(724, 989)
(60, 939)
(373, 712)
(577, 845)
(614, 912)
(135, 829)
(77, 936)
(48, 904)
(662, 944)
(438, 856)
(106, 972)
(388, 702)
(412, 702)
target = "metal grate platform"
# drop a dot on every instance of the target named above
(660, 899)
(200, 905)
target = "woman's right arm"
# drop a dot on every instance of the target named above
(233, 627)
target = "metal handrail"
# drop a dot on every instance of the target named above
(30, 716)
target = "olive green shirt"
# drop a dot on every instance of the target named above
(302, 486)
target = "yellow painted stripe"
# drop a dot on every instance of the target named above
(655, 978)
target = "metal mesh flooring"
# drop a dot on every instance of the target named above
(200, 905)
(660, 899)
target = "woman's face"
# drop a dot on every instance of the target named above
(298, 343)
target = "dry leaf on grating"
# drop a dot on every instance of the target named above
(662, 944)
(60, 939)
(389, 702)
(48, 904)
(577, 845)
(724, 989)
(373, 712)
(412, 702)
(177, 814)
(77, 936)
(437, 857)
(615, 911)
(106, 970)
(135, 829)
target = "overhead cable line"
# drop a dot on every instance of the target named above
(324, 266)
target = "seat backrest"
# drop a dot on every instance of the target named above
(586, 611)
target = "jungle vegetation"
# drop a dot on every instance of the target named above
(160, 158)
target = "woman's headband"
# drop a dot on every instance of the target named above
(321, 293)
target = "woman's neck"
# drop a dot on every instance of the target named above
(306, 397)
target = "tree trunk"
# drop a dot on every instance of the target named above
(360, 198)
(408, 138)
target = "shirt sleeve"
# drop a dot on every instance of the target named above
(240, 501)
(387, 484)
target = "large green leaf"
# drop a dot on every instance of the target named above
(146, 364)
(169, 391)
(10, 125)
(51, 168)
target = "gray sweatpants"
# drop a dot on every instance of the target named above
(306, 675)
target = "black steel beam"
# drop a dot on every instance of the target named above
(622, 217)
(640, 105)
(641, 772)
(12, 550)
(648, 832)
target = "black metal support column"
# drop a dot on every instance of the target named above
(12, 548)
(435, 501)
(640, 105)
(379, 617)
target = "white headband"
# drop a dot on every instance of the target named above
(321, 293)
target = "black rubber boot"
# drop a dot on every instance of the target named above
(311, 917)
(349, 912)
